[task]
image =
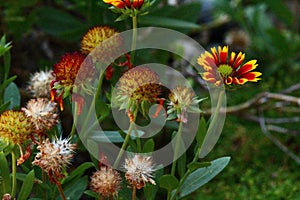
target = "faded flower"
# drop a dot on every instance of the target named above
(42, 113)
(182, 100)
(54, 156)
(137, 88)
(139, 171)
(39, 84)
(106, 182)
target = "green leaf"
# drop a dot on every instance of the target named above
(21, 176)
(4, 47)
(102, 108)
(148, 146)
(181, 13)
(3, 145)
(135, 134)
(7, 82)
(4, 106)
(122, 17)
(167, 22)
(151, 190)
(125, 192)
(77, 189)
(203, 175)
(27, 186)
(12, 95)
(5, 184)
(168, 182)
(91, 193)
(180, 148)
(181, 165)
(77, 173)
(201, 131)
(106, 136)
(58, 23)
(196, 165)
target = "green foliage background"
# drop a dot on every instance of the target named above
(258, 169)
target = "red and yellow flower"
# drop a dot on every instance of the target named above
(220, 67)
(131, 4)
(65, 73)
(128, 8)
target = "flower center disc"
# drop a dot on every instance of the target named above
(225, 70)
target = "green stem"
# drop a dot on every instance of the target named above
(14, 174)
(99, 120)
(124, 145)
(92, 106)
(134, 37)
(74, 121)
(138, 140)
(176, 150)
(196, 156)
(177, 145)
(214, 121)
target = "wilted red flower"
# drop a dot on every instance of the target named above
(232, 70)
(65, 72)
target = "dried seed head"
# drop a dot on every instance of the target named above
(39, 85)
(138, 87)
(182, 97)
(54, 157)
(42, 113)
(106, 182)
(139, 171)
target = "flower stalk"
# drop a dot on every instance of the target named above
(133, 193)
(176, 149)
(14, 174)
(73, 130)
(198, 151)
(124, 145)
(61, 192)
(134, 37)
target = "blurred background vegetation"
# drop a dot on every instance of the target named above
(267, 30)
